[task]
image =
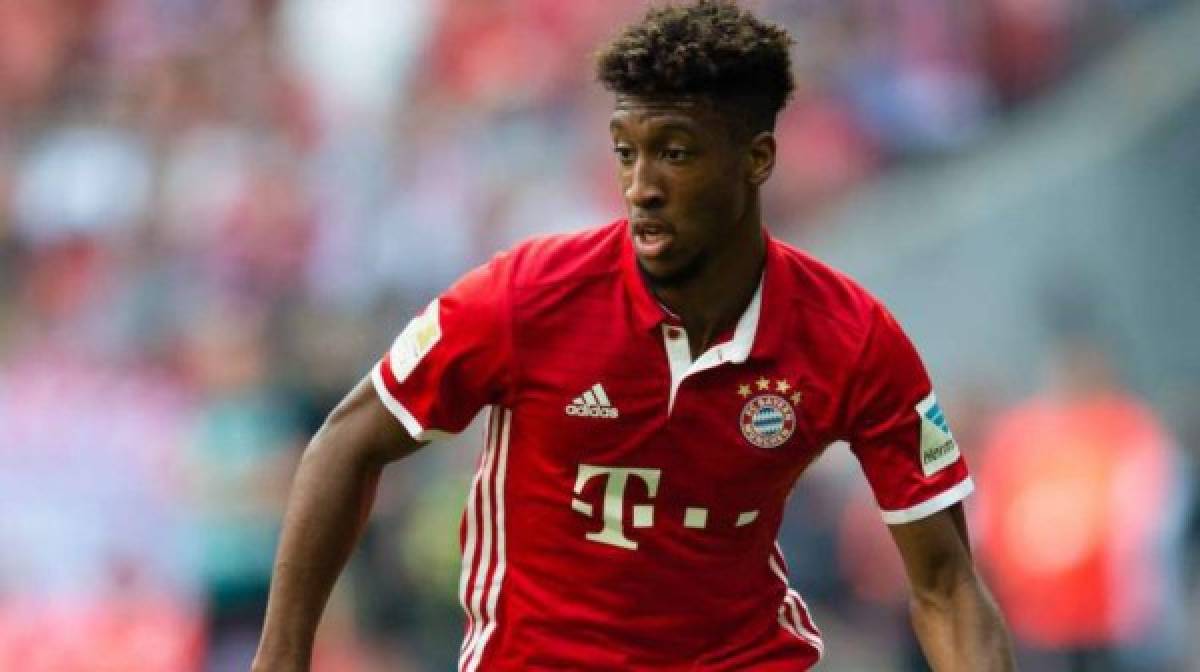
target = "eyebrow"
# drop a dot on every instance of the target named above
(688, 128)
(669, 125)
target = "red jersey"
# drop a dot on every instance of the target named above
(626, 506)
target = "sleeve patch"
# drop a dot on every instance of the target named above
(417, 339)
(938, 447)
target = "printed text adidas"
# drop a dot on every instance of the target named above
(593, 403)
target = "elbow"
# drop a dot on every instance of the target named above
(944, 584)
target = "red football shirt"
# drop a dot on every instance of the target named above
(626, 506)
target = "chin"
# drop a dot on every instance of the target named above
(653, 268)
(669, 275)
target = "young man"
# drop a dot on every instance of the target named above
(656, 387)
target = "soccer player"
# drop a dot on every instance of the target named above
(655, 388)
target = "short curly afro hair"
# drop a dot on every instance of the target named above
(711, 49)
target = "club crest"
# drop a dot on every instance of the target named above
(768, 419)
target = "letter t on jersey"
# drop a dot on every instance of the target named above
(613, 511)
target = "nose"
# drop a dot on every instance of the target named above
(643, 189)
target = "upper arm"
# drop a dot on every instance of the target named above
(936, 551)
(363, 424)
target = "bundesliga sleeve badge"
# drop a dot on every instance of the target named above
(938, 447)
(768, 419)
(418, 338)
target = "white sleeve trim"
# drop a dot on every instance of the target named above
(932, 505)
(397, 409)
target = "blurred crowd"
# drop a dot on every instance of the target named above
(215, 213)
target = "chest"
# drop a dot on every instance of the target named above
(617, 397)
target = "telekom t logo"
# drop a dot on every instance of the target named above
(616, 478)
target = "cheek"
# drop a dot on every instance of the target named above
(719, 201)
(622, 176)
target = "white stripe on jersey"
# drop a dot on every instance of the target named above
(793, 613)
(480, 601)
(471, 540)
(493, 587)
(475, 594)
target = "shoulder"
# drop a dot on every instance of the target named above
(827, 300)
(547, 273)
(567, 257)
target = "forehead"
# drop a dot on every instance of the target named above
(689, 113)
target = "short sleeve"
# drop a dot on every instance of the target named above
(452, 359)
(897, 430)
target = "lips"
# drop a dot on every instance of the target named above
(652, 238)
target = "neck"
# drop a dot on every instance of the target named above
(714, 300)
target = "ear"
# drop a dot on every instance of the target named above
(761, 157)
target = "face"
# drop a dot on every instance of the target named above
(688, 183)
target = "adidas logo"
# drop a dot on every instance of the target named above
(593, 403)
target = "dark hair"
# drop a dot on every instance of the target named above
(711, 49)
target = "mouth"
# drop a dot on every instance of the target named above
(652, 238)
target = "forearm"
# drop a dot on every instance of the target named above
(960, 629)
(330, 498)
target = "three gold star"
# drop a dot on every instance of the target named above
(764, 384)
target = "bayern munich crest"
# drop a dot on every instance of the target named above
(768, 420)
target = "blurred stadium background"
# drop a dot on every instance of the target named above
(215, 213)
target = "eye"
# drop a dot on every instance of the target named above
(624, 154)
(676, 154)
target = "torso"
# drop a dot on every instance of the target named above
(640, 533)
